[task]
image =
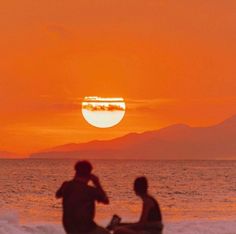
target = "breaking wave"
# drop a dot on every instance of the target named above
(9, 224)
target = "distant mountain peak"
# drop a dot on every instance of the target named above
(231, 120)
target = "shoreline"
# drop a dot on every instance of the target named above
(10, 224)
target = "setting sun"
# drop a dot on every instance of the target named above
(103, 112)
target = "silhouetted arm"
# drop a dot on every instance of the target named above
(143, 223)
(145, 211)
(101, 195)
(59, 193)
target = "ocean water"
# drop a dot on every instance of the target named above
(195, 196)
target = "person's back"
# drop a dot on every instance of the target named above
(79, 202)
(151, 219)
(78, 206)
(154, 213)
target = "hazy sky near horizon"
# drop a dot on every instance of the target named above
(171, 60)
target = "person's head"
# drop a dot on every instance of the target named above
(83, 169)
(141, 186)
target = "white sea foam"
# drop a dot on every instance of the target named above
(201, 227)
(9, 224)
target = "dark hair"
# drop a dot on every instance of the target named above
(83, 168)
(141, 185)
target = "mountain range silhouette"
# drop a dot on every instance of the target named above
(180, 141)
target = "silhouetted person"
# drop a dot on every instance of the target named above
(151, 219)
(79, 201)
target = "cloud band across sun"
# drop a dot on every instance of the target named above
(102, 99)
(103, 104)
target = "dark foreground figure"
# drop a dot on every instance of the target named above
(151, 219)
(79, 201)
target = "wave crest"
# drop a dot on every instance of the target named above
(9, 224)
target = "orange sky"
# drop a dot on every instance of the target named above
(173, 61)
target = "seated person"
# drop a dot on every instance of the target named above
(151, 219)
(79, 199)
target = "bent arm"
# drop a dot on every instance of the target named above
(59, 192)
(145, 211)
(101, 195)
(144, 223)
